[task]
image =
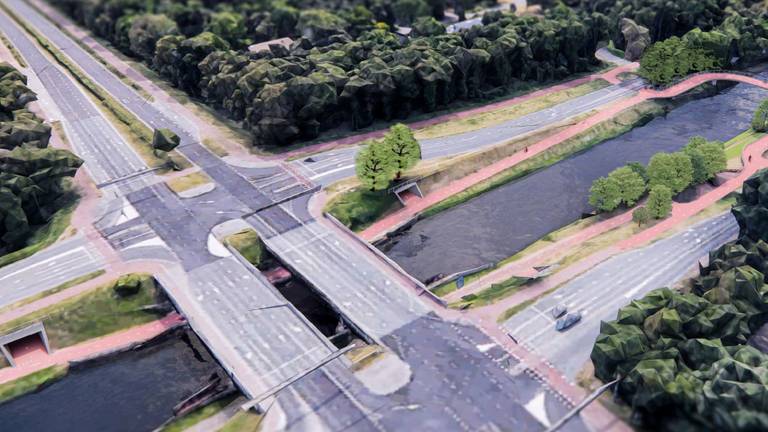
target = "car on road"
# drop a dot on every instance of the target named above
(568, 321)
(558, 311)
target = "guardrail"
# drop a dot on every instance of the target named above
(441, 302)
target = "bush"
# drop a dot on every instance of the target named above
(130, 285)
(760, 118)
(673, 170)
(641, 215)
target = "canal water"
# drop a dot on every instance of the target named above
(134, 391)
(504, 221)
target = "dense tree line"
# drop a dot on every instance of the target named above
(344, 67)
(31, 174)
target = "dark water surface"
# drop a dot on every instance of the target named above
(132, 392)
(504, 221)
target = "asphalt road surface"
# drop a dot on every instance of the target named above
(49, 268)
(217, 305)
(93, 138)
(328, 167)
(599, 293)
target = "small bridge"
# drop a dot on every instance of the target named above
(690, 82)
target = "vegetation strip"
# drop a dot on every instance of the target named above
(32, 382)
(129, 301)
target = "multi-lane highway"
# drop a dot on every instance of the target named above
(49, 268)
(333, 165)
(599, 293)
(224, 300)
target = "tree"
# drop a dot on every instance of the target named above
(640, 169)
(673, 170)
(605, 194)
(673, 58)
(146, 30)
(707, 158)
(641, 215)
(405, 149)
(374, 166)
(406, 11)
(631, 185)
(228, 26)
(760, 118)
(659, 201)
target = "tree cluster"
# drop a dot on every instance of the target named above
(739, 41)
(32, 175)
(760, 118)
(685, 357)
(343, 68)
(667, 175)
(382, 161)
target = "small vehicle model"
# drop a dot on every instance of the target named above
(568, 321)
(558, 311)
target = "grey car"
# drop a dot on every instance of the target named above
(568, 321)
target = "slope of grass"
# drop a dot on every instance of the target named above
(359, 208)
(492, 294)
(735, 146)
(95, 313)
(187, 182)
(32, 382)
(243, 421)
(250, 246)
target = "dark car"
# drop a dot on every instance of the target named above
(568, 321)
(559, 311)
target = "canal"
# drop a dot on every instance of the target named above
(502, 222)
(133, 391)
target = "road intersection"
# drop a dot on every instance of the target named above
(185, 234)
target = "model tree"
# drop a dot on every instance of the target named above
(605, 194)
(375, 165)
(673, 170)
(641, 215)
(631, 185)
(405, 150)
(659, 201)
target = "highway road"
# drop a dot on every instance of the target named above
(49, 268)
(328, 167)
(93, 138)
(599, 293)
(465, 365)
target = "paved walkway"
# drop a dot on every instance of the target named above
(92, 348)
(417, 206)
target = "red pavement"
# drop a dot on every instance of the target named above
(90, 349)
(415, 207)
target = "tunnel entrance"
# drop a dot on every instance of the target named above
(25, 344)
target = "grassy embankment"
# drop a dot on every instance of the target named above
(138, 134)
(98, 312)
(242, 421)
(250, 246)
(187, 182)
(45, 235)
(32, 382)
(14, 52)
(54, 290)
(491, 295)
(359, 208)
(182, 423)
